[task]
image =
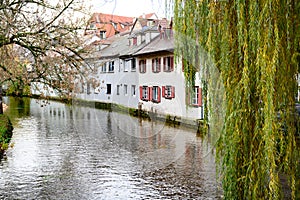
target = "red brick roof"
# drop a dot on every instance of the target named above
(112, 24)
(109, 18)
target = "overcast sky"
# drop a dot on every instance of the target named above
(132, 8)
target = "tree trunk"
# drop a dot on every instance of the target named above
(1, 102)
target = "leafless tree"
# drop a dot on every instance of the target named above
(41, 42)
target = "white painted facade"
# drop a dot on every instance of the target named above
(117, 80)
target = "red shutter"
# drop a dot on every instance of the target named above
(149, 93)
(141, 92)
(163, 91)
(172, 63)
(158, 95)
(173, 92)
(164, 64)
(200, 97)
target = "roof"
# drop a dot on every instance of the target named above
(158, 45)
(108, 18)
(119, 45)
(111, 24)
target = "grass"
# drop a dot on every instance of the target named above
(5, 133)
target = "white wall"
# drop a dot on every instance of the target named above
(176, 106)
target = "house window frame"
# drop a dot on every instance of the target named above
(118, 89)
(125, 89)
(196, 98)
(127, 64)
(133, 90)
(168, 63)
(111, 66)
(156, 65)
(145, 93)
(168, 92)
(102, 35)
(103, 68)
(133, 65)
(108, 88)
(156, 94)
(143, 66)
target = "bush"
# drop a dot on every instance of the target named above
(5, 133)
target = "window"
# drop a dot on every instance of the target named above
(156, 65)
(115, 25)
(102, 35)
(168, 63)
(133, 93)
(108, 88)
(168, 92)
(145, 93)
(111, 66)
(196, 99)
(127, 64)
(142, 66)
(156, 94)
(118, 89)
(103, 68)
(134, 41)
(125, 90)
(133, 65)
(130, 64)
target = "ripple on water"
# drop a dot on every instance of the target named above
(103, 156)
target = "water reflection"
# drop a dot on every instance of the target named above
(67, 152)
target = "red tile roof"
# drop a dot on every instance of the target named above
(112, 24)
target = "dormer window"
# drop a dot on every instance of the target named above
(102, 35)
(115, 25)
(134, 41)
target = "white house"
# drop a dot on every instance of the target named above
(162, 85)
(138, 70)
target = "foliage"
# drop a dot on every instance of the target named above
(254, 45)
(5, 133)
(40, 42)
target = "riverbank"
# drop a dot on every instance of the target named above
(175, 121)
(6, 129)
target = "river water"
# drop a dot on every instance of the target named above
(62, 151)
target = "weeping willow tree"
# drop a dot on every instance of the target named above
(254, 45)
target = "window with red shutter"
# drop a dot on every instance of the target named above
(169, 91)
(168, 64)
(163, 91)
(196, 97)
(142, 66)
(173, 92)
(156, 65)
(149, 93)
(172, 63)
(200, 97)
(156, 94)
(141, 92)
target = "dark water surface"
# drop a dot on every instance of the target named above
(68, 152)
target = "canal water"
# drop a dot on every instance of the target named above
(63, 151)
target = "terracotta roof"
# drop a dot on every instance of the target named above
(108, 18)
(149, 16)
